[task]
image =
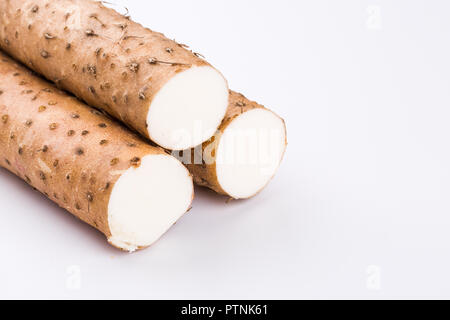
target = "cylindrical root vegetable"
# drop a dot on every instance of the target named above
(88, 164)
(153, 84)
(245, 153)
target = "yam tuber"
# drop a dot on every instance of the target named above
(245, 153)
(153, 84)
(87, 163)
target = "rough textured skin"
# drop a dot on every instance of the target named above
(205, 174)
(101, 56)
(70, 152)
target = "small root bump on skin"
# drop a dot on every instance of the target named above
(53, 126)
(135, 162)
(90, 33)
(133, 67)
(114, 161)
(199, 55)
(45, 54)
(49, 36)
(156, 61)
(132, 37)
(79, 151)
(92, 90)
(106, 187)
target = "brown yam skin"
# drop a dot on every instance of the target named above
(94, 52)
(205, 174)
(63, 148)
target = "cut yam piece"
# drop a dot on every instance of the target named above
(87, 163)
(249, 152)
(245, 154)
(145, 202)
(153, 84)
(186, 112)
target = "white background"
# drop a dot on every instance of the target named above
(361, 205)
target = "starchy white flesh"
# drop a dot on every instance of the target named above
(146, 201)
(188, 109)
(249, 152)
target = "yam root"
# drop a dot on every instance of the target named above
(153, 84)
(87, 163)
(243, 156)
